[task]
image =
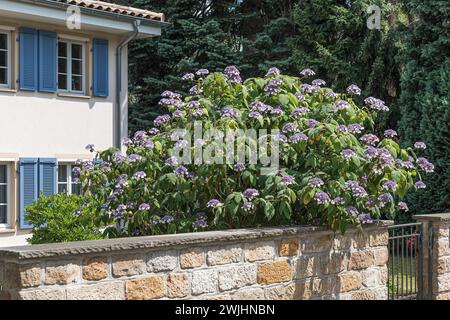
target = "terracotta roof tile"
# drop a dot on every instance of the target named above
(111, 7)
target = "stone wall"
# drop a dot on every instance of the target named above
(436, 228)
(270, 263)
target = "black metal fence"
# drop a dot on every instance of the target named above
(405, 265)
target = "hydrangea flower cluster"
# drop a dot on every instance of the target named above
(332, 169)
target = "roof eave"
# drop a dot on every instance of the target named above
(96, 12)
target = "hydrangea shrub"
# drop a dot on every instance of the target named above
(333, 170)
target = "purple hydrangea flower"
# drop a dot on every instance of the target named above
(299, 96)
(376, 104)
(390, 185)
(202, 72)
(370, 138)
(144, 207)
(314, 182)
(134, 158)
(213, 203)
(353, 211)
(121, 184)
(76, 171)
(289, 127)
(90, 147)
(140, 135)
(250, 193)
(127, 142)
(331, 95)
(118, 157)
(420, 185)
(370, 152)
(148, 144)
(181, 171)
(384, 198)
(403, 206)
(248, 206)
(172, 161)
(348, 154)
(254, 114)
(390, 133)
(239, 167)
(341, 105)
(233, 74)
(139, 175)
(161, 120)
(281, 137)
(321, 197)
(406, 164)
(420, 145)
(178, 114)
(312, 123)
(287, 180)
(195, 90)
(354, 89)
(153, 131)
(277, 111)
(355, 128)
(364, 218)
(342, 128)
(274, 71)
(308, 88)
(271, 89)
(296, 138)
(318, 82)
(425, 165)
(166, 219)
(200, 221)
(188, 76)
(299, 111)
(229, 112)
(170, 94)
(307, 72)
(338, 200)
(197, 113)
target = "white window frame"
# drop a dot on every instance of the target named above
(8, 59)
(69, 66)
(8, 200)
(69, 181)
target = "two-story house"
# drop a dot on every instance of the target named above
(63, 84)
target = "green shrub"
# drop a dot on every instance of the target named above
(333, 170)
(62, 218)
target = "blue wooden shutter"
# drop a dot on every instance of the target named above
(28, 60)
(47, 61)
(28, 187)
(100, 68)
(47, 176)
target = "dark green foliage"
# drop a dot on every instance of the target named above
(334, 40)
(61, 218)
(425, 99)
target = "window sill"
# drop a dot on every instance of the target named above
(6, 230)
(73, 95)
(8, 90)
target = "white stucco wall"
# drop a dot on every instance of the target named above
(42, 124)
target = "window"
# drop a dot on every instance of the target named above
(4, 195)
(71, 67)
(66, 180)
(4, 59)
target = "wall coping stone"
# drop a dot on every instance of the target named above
(161, 241)
(433, 217)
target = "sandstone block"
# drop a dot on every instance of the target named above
(192, 258)
(360, 260)
(237, 277)
(273, 272)
(229, 254)
(162, 261)
(145, 288)
(95, 268)
(349, 281)
(378, 238)
(381, 256)
(259, 251)
(41, 294)
(61, 272)
(204, 281)
(288, 248)
(178, 285)
(97, 291)
(128, 265)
